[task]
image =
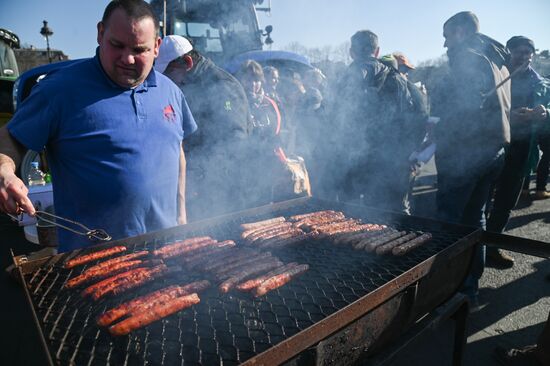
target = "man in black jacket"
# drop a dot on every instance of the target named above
(216, 176)
(474, 128)
(530, 99)
(379, 128)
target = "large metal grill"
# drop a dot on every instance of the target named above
(341, 286)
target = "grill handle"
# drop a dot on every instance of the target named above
(532, 247)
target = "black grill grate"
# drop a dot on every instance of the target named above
(223, 329)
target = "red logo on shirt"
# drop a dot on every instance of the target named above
(169, 113)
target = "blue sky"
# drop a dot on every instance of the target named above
(413, 26)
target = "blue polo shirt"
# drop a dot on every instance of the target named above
(113, 152)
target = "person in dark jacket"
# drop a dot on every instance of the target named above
(474, 128)
(530, 98)
(378, 135)
(220, 107)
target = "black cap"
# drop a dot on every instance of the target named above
(517, 41)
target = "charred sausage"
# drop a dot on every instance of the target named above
(407, 247)
(153, 314)
(101, 273)
(257, 224)
(255, 282)
(147, 301)
(279, 280)
(387, 248)
(250, 271)
(94, 256)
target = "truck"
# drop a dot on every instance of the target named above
(227, 32)
(8, 72)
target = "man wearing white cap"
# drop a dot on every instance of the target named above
(218, 103)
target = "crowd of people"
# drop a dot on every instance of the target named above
(119, 131)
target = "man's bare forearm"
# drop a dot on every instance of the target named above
(11, 151)
(182, 212)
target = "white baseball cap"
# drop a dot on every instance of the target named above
(170, 49)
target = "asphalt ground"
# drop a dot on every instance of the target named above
(514, 302)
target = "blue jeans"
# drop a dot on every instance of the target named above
(461, 199)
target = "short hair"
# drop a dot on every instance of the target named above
(517, 41)
(364, 41)
(270, 70)
(466, 20)
(251, 68)
(135, 9)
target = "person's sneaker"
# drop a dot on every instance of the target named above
(517, 357)
(542, 195)
(498, 259)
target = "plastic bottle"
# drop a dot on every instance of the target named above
(36, 176)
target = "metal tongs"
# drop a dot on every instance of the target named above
(485, 96)
(91, 234)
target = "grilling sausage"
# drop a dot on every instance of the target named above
(307, 221)
(250, 271)
(265, 233)
(407, 247)
(312, 214)
(333, 225)
(370, 247)
(91, 289)
(207, 253)
(370, 244)
(257, 224)
(387, 248)
(284, 241)
(245, 234)
(153, 314)
(360, 243)
(223, 271)
(147, 301)
(353, 237)
(128, 282)
(284, 235)
(279, 280)
(188, 249)
(232, 256)
(184, 246)
(279, 234)
(255, 282)
(101, 273)
(95, 255)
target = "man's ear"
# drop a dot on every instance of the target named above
(100, 31)
(376, 52)
(188, 62)
(156, 49)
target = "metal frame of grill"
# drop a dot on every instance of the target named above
(341, 288)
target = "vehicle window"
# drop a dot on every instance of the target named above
(205, 38)
(8, 65)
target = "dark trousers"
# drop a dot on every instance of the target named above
(461, 198)
(509, 185)
(544, 164)
(384, 185)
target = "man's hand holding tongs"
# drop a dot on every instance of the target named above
(13, 193)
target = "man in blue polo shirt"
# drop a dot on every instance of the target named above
(113, 130)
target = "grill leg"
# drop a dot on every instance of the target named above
(456, 309)
(460, 317)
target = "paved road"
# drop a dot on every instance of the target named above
(516, 301)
